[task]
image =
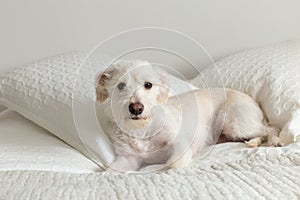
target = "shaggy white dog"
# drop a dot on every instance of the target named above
(147, 127)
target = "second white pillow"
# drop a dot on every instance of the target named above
(270, 75)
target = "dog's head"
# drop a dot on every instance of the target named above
(134, 89)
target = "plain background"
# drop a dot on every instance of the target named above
(34, 29)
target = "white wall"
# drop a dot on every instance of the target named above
(33, 29)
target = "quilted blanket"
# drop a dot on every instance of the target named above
(263, 173)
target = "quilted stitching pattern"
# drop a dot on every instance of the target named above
(275, 176)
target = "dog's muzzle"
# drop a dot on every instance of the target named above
(136, 109)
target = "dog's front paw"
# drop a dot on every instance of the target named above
(182, 161)
(124, 164)
(179, 164)
(112, 170)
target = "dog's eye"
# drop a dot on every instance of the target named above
(148, 85)
(121, 86)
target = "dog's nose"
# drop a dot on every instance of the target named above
(136, 108)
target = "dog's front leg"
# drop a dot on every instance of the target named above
(124, 164)
(180, 158)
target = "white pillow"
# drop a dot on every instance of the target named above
(43, 91)
(58, 93)
(271, 75)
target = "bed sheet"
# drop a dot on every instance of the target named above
(26, 146)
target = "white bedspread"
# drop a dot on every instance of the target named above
(37, 165)
(271, 176)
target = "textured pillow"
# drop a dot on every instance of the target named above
(271, 75)
(58, 93)
(43, 92)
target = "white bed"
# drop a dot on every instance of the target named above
(34, 164)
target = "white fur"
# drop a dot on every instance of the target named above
(172, 130)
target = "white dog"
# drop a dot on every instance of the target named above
(147, 127)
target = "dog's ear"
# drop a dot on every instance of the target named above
(164, 87)
(101, 91)
(163, 94)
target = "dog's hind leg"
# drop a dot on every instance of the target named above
(273, 137)
(246, 121)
